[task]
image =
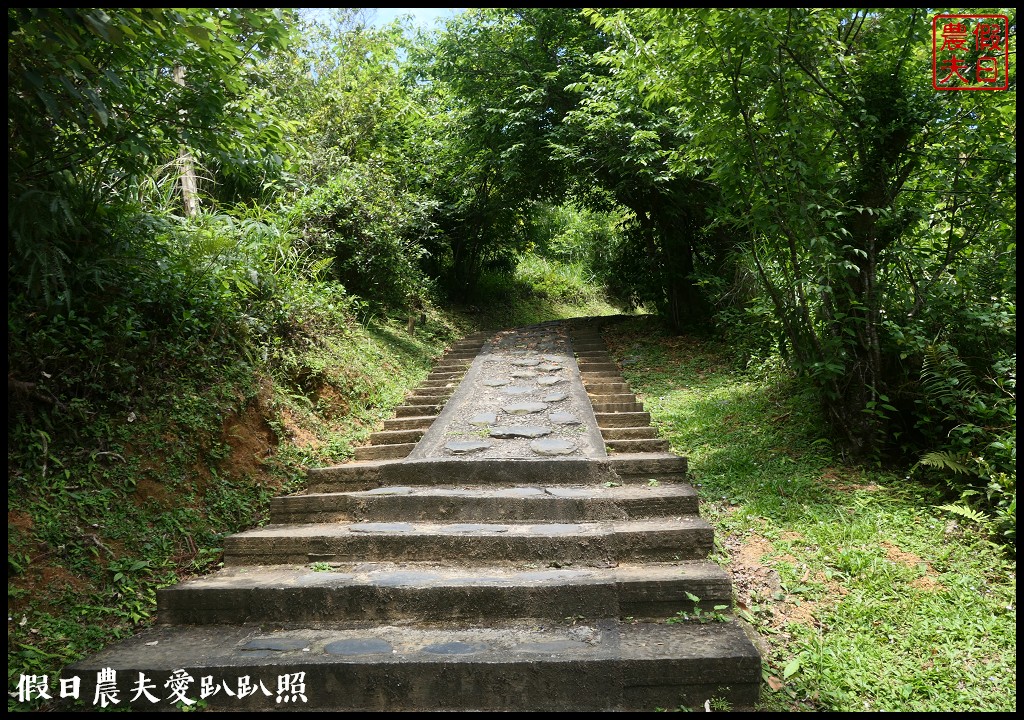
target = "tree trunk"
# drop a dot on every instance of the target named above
(186, 165)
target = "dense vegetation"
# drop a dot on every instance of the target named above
(222, 222)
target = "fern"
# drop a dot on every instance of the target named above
(946, 461)
(968, 513)
(945, 378)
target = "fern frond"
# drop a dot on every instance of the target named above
(945, 378)
(945, 461)
(967, 513)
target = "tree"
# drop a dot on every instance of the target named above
(94, 109)
(832, 155)
(615, 141)
(502, 79)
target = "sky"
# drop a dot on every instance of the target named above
(422, 16)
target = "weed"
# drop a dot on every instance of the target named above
(717, 614)
(717, 704)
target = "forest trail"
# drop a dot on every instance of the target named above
(517, 537)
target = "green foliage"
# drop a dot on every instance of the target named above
(853, 225)
(699, 615)
(368, 227)
(844, 568)
(94, 109)
(789, 170)
(498, 83)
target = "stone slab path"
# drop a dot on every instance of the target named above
(521, 397)
(517, 537)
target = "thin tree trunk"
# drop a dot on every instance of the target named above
(186, 166)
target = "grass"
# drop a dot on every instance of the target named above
(537, 290)
(132, 496)
(865, 595)
(102, 515)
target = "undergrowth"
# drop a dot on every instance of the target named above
(867, 593)
(145, 429)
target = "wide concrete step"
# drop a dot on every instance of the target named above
(507, 473)
(463, 353)
(451, 366)
(631, 465)
(447, 384)
(611, 407)
(591, 376)
(684, 538)
(427, 399)
(434, 592)
(446, 376)
(611, 398)
(439, 391)
(562, 504)
(406, 411)
(587, 366)
(608, 388)
(605, 665)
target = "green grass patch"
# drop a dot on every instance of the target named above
(866, 595)
(538, 290)
(106, 508)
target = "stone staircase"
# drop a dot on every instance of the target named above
(427, 581)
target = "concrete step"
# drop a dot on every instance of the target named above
(613, 407)
(618, 398)
(623, 419)
(384, 452)
(467, 471)
(447, 376)
(462, 353)
(587, 366)
(631, 465)
(433, 592)
(408, 411)
(608, 388)
(562, 504)
(637, 445)
(396, 437)
(445, 383)
(600, 376)
(628, 433)
(453, 365)
(421, 422)
(606, 665)
(443, 392)
(432, 399)
(684, 538)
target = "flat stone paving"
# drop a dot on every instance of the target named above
(521, 399)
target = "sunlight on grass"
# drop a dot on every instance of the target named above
(866, 596)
